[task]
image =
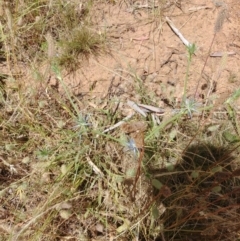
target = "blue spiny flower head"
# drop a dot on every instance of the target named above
(131, 146)
(191, 106)
(82, 122)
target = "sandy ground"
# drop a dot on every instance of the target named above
(141, 46)
(143, 57)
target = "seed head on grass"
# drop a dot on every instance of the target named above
(222, 15)
(51, 46)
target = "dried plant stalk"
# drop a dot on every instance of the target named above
(217, 28)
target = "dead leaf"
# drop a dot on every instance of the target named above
(135, 130)
(166, 191)
(236, 172)
(65, 214)
(99, 228)
(210, 231)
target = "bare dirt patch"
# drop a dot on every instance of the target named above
(142, 45)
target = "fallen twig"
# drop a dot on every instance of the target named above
(177, 32)
(195, 9)
(95, 168)
(220, 54)
(151, 108)
(119, 123)
(135, 107)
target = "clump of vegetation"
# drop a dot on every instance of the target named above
(73, 171)
(81, 43)
(204, 201)
(55, 30)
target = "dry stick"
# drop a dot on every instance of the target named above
(218, 26)
(134, 189)
(177, 32)
(147, 206)
(119, 123)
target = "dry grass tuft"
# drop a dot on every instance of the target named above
(36, 30)
(64, 177)
(204, 203)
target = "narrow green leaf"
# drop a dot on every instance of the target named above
(155, 212)
(230, 137)
(216, 169)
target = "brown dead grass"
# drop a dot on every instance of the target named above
(169, 176)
